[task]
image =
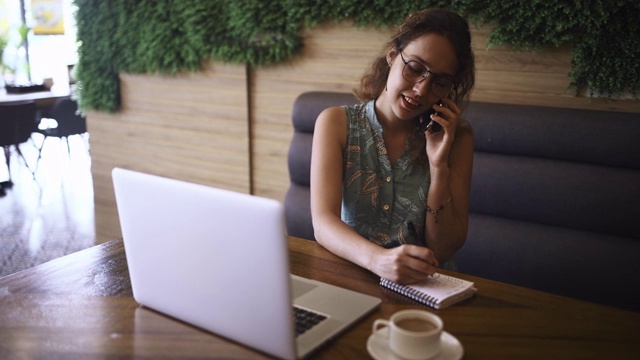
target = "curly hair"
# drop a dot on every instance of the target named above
(442, 22)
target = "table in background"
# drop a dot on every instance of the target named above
(44, 99)
(80, 306)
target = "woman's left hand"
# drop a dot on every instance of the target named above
(439, 143)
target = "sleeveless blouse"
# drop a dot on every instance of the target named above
(381, 202)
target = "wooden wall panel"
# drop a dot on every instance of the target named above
(334, 58)
(191, 127)
(532, 78)
(222, 128)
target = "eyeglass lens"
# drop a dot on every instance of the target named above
(415, 72)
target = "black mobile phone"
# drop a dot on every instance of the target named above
(426, 123)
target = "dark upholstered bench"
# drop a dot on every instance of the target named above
(555, 197)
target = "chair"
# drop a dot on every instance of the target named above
(69, 122)
(306, 109)
(18, 121)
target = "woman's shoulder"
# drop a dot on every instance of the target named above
(343, 116)
(331, 122)
(333, 114)
(464, 129)
(464, 137)
(342, 112)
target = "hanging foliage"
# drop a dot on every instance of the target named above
(168, 36)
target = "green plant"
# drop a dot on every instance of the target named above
(167, 36)
(603, 34)
(607, 57)
(23, 31)
(4, 40)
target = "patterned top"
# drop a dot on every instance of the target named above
(383, 203)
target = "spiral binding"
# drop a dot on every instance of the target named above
(410, 293)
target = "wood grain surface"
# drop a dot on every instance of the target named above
(81, 306)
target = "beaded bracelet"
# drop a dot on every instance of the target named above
(436, 211)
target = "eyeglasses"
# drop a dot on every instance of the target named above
(415, 72)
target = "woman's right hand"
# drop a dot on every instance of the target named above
(404, 264)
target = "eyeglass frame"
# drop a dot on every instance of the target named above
(425, 75)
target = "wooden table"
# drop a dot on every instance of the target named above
(80, 306)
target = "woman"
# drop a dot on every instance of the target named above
(383, 196)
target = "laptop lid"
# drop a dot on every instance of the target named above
(218, 259)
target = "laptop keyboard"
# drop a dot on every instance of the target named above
(306, 319)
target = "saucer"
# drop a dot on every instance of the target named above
(378, 347)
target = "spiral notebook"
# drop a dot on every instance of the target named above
(438, 291)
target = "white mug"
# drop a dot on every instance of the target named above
(413, 334)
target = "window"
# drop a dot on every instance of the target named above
(49, 56)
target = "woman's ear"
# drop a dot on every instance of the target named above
(391, 55)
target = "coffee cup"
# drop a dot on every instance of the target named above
(412, 334)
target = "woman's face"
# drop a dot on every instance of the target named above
(408, 99)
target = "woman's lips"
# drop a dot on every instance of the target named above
(409, 103)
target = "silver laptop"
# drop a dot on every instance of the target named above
(218, 260)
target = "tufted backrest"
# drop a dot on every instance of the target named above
(559, 162)
(555, 198)
(306, 109)
(562, 167)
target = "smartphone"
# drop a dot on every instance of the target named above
(426, 123)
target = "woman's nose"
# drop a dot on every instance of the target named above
(422, 88)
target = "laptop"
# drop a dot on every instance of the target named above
(218, 260)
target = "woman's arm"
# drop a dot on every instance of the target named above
(450, 169)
